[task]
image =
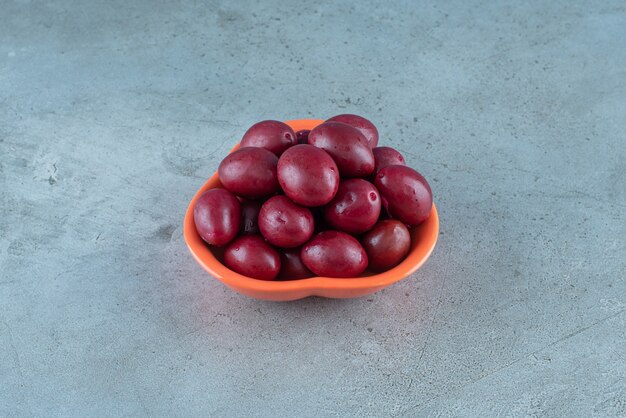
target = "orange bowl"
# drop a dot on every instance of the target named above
(423, 240)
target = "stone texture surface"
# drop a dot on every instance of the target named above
(112, 115)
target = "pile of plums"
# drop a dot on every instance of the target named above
(326, 202)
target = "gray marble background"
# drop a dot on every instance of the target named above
(112, 115)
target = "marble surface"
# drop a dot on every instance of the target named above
(112, 114)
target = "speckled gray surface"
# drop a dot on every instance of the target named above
(112, 115)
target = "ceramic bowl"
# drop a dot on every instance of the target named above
(423, 240)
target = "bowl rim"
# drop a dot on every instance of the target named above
(427, 235)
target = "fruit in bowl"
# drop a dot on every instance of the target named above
(312, 207)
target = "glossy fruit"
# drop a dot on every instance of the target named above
(285, 223)
(406, 193)
(251, 256)
(272, 135)
(303, 136)
(355, 208)
(347, 146)
(250, 217)
(210, 258)
(386, 244)
(250, 172)
(216, 215)
(385, 156)
(291, 266)
(308, 175)
(366, 127)
(334, 254)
